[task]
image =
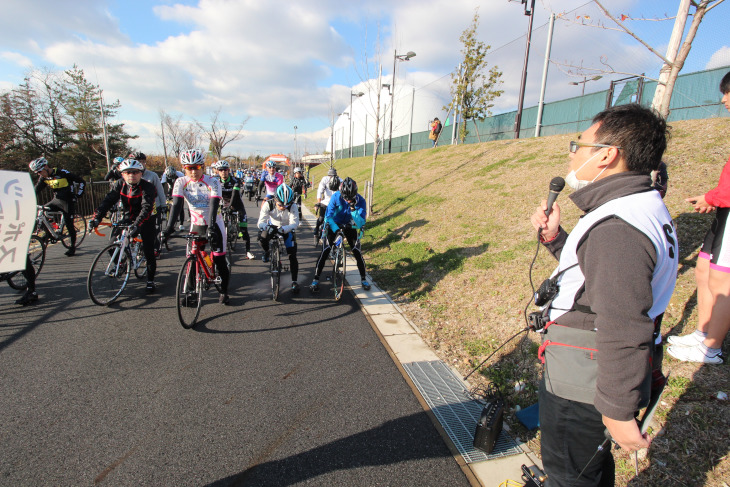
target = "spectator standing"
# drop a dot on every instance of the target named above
(435, 131)
(712, 273)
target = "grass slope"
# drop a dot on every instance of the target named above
(450, 240)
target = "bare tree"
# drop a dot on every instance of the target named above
(677, 50)
(179, 135)
(220, 134)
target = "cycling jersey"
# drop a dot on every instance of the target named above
(287, 220)
(299, 185)
(324, 193)
(229, 188)
(153, 178)
(271, 182)
(339, 213)
(198, 195)
(61, 182)
(138, 201)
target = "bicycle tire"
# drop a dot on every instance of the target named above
(37, 254)
(189, 301)
(232, 228)
(338, 272)
(106, 280)
(275, 270)
(81, 229)
(140, 270)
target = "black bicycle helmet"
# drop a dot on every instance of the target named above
(334, 183)
(138, 156)
(348, 189)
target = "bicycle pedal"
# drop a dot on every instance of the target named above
(218, 280)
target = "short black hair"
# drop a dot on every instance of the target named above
(641, 133)
(725, 84)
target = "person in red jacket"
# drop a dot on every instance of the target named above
(712, 272)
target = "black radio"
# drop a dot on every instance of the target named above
(489, 426)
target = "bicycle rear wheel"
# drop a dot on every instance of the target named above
(232, 228)
(338, 272)
(81, 228)
(189, 292)
(275, 270)
(37, 254)
(108, 275)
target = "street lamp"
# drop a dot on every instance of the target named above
(358, 94)
(585, 80)
(396, 57)
(518, 117)
(295, 145)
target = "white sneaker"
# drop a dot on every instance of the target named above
(181, 228)
(249, 255)
(690, 340)
(694, 354)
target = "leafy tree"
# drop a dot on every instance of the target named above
(474, 88)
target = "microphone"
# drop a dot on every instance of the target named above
(556, 186)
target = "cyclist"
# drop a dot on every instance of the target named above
(231, 194)
(203, 195)
(346, 210)
(114, 173)
(138, 202)
(169, 177)
(270, 179)
(64, 195)
(327, 186)
(299, 184)
(249, 181)
(153, 178)
(280, 214)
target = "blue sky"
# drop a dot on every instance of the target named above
(285, 63)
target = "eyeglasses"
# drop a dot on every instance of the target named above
(135, 172)
(193, 167)
(574, 146)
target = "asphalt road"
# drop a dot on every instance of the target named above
(295, 392)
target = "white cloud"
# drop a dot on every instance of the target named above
(16, 58)
(719, 58)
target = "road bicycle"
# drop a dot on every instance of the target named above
(164, 215)
(111, 268)
(37, 254)
(51, 227)
(197, 274)
(276, 267)
(339, 264)
(230, 223)
(248, 190)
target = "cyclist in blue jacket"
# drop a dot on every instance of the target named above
(346, 211)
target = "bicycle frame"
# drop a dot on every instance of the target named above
(126, 243)
(43, 221)
(197, 251)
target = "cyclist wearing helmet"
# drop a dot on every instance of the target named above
(231, 194)
(299, 184)
(138, 202)
(280, 215)
(152, 177)
(169, 177)
(203, 195)
(114, 173)
(270, 179)
(327, 186)
(346, 210)
(64, 199)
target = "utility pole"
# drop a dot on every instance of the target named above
(376, 141)
(164, 145)
(103, 126)
(544, 75)
(518, 117)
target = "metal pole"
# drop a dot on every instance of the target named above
(103, 126)
(544, 75)
(392, 98)
(164, 145)
(518, 116)
(410, 131)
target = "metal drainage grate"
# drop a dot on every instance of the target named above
(457, 412)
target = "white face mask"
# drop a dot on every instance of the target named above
(572, 180)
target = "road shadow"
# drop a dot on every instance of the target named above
(408, 439)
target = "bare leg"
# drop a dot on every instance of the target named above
(719, 322)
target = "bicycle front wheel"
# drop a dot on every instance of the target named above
(140, 266)
(81, 228)
(108, 275)
(189, 292)
(37, 254)
(338, 272)
(275, 271)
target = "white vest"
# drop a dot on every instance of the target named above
(647, 213)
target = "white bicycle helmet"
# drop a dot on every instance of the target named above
(117, 161)
(170, 172)
(131, 165)
(191, 157)
(270, 163)
(38, 164)
(297, 170)
(221, 165)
